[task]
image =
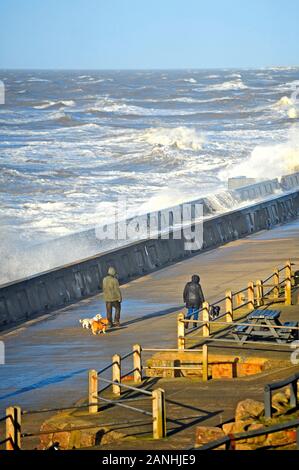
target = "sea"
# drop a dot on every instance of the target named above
(72, 143)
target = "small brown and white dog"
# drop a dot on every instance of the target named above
(99, 326)
(87, 322)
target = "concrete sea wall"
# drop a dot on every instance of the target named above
(258, 190)
(77, 246)
(51, 290)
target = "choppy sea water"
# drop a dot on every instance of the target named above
(72, 142)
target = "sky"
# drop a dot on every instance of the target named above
(148, 34)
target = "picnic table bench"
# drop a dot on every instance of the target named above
(263, 324)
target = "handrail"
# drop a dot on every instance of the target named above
(104, 388)
(215, 303)
(120, 384)
(256, 343)
(233, 325)
(269, 291)
(183, 367)
(4, 418)
(248, 298)
(122, 405)
(105, 368)
(282, 383)
(292, 382)
(204, 322)
(240, 291)
(127, 373)
(200, 324)
(78, 428)
(241, 306)
(48, 410)
(227, 440)
(170, 350)
(127, 355)
(218, 301)
(189, 332)
(270, 277)
(111, 364)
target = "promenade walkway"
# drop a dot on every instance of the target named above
(44, 358)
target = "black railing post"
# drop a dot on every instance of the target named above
(268, 401)
(13, 428)
(230, 443)
(293, 393)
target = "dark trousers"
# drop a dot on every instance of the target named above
(116, 306)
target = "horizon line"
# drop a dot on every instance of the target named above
(148, 69)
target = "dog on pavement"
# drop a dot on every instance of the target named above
(87, 322)
(99, 326)
(214, 312)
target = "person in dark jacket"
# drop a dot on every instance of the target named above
(193, 297)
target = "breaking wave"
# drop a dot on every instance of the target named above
(288, 105)
(182, 138)
(33, 79)
(230, 85)
(188, 80)
(116, 107)
(208, 100)
(55, 104)
(270, 161)
(65, 119)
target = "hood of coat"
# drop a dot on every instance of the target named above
(195, 279)
(111, 271)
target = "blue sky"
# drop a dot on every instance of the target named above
(134, 34)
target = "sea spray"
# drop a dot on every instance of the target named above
(182, 138)
(268, 161)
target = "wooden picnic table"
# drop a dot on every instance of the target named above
(263, 324)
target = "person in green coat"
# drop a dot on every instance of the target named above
(112, 297)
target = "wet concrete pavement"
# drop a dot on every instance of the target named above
(47, 360)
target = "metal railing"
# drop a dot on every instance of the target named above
(292, 382)
(251, 297)
(230, 441)
(204, 363)
(13, 419)
(95, 397)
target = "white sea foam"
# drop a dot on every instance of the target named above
(190, 80)
(83, 161)
(229, 85)
(222, 201)
(293, 113)
(186, 99)
(288, 105)
(163, 199)
(186, 80)
(52, 104)
(33, 79)
(268, 161)
(117, 107)
(181, 138)
(285, 101)
(289, 86)
(235, 75)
